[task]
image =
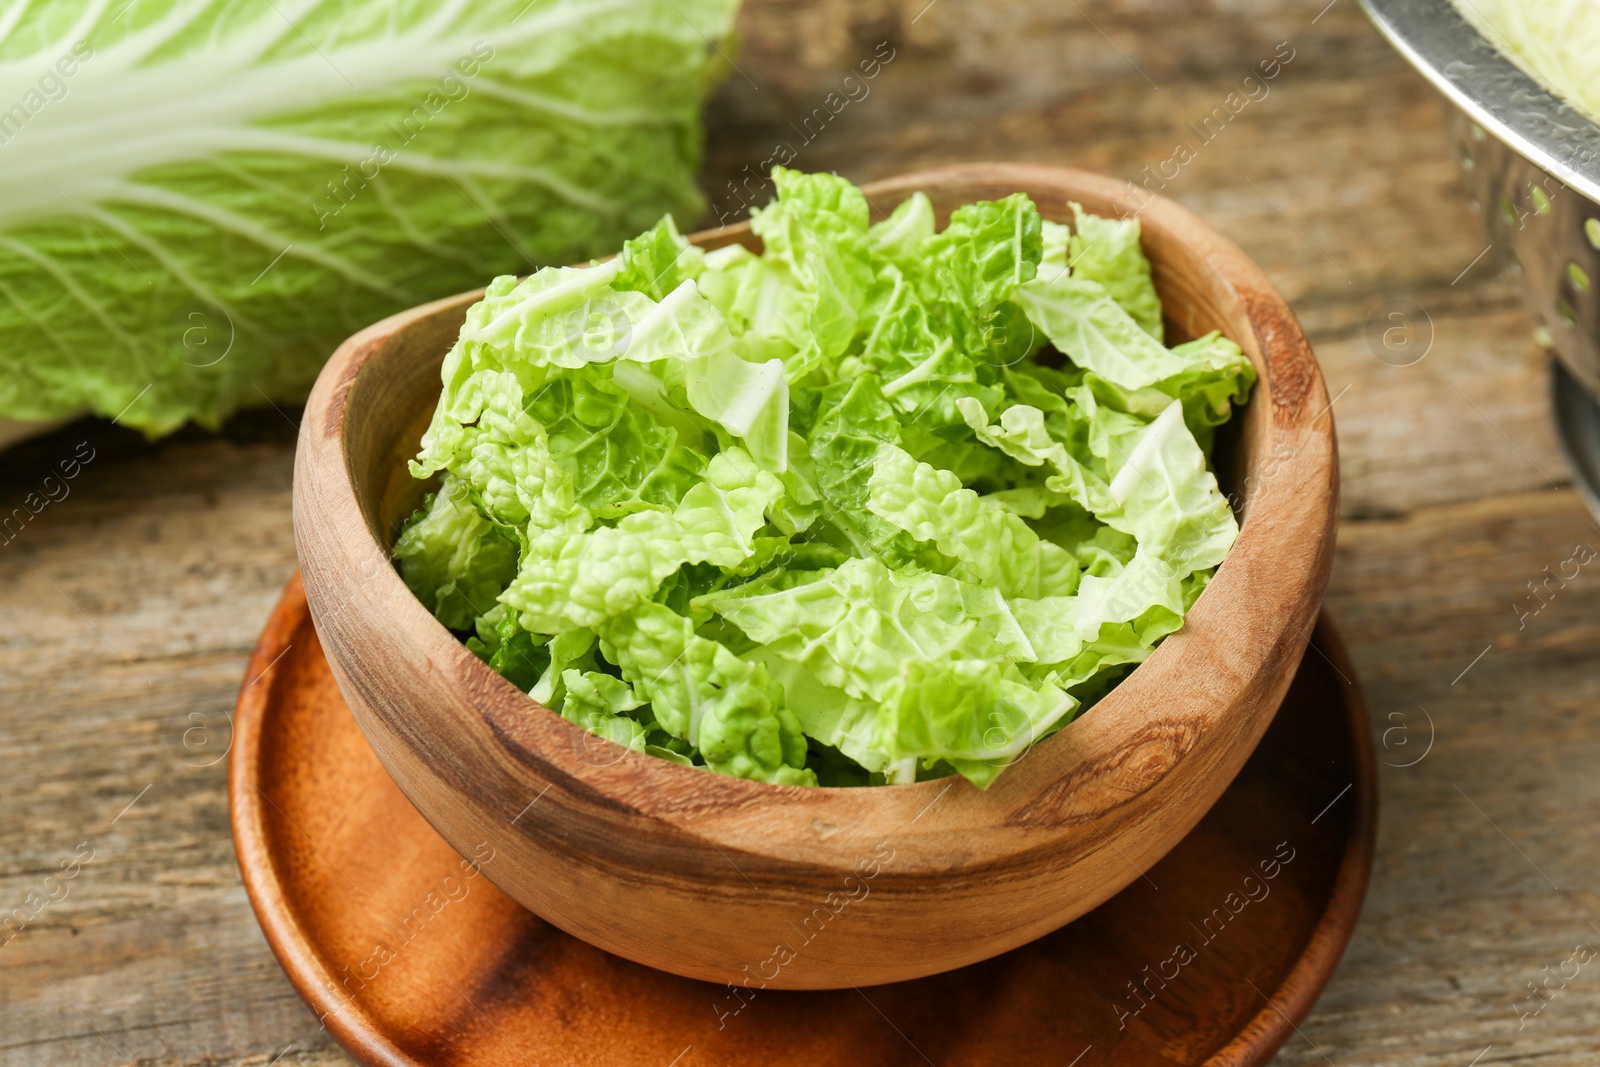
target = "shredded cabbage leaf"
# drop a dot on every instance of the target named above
(882, 503)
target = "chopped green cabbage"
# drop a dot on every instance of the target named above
(200, 198)
(820, 515)
(1556, 43)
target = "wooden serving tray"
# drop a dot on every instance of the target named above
(410, 955)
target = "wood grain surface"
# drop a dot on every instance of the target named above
(713, 871)
(402, 947)
(134, 603)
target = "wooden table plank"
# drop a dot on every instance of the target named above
(1485, 872)
(131, 606)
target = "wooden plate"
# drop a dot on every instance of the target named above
(410, 955)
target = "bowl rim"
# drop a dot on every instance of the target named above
(1493, 91)
(1284, 549)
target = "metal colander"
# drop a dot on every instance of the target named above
(1532, 164)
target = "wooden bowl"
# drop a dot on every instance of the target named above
(733, 881)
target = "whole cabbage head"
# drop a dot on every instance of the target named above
(200, 198)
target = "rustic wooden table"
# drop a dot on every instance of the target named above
(130, 606)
